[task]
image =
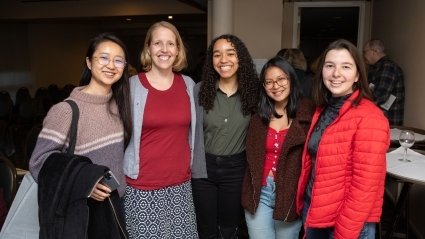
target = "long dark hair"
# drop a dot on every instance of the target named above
(321, 94)
(120, 89)
(246, 75)
(266, 105)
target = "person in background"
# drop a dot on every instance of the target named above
(296, 58)
(104, 125)
(158, 199)
(225, 99)
(386, 81)
(132, 70)
(282, 52)
(274, 146)
(314, 65)
(340, 191)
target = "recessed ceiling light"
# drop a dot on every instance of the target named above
(128, 19)
(170, 17)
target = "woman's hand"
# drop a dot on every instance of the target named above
(100, 192)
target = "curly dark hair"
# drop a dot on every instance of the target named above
(248, 83)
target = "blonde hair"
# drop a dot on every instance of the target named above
(296, 57)
(179, 64)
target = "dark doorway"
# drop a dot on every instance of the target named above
(319, 26)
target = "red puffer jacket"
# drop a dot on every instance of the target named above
(350, 170)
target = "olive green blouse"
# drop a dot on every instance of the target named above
(225, 126)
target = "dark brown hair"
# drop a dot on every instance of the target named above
(321, 94)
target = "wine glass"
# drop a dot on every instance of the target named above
(406, 139)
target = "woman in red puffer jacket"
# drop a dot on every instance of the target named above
(340, 192)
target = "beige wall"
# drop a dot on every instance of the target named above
(401, 27)
(259, 25)
(287, 24)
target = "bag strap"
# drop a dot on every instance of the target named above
(74, 126)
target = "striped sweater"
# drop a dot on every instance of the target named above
(100, 134)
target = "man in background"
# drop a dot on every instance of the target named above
(386, 81)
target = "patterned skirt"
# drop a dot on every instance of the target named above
(164, 213)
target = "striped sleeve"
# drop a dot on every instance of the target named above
(52, 138)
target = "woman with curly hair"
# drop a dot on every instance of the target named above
(225, 99)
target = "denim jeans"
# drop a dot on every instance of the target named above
(261, 225)
(218, 198)
(368, 231)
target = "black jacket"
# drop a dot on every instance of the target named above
(65, 211)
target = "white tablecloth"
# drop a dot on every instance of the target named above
(413, 171)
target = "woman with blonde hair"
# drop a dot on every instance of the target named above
(158, 198)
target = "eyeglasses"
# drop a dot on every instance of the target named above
(119, 62)
(282, 81)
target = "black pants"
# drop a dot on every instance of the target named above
(218, 198)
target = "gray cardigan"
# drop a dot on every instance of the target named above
(199, 168)
(138, 95)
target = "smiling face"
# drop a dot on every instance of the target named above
(104, 75)
(339, 72)
(277, 85)
(225, 59)
(163, 48)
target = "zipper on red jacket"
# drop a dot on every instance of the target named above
(116, 218)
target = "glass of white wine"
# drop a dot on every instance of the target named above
(406, 139)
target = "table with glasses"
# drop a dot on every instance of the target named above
(419, 137)
(407, 173)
